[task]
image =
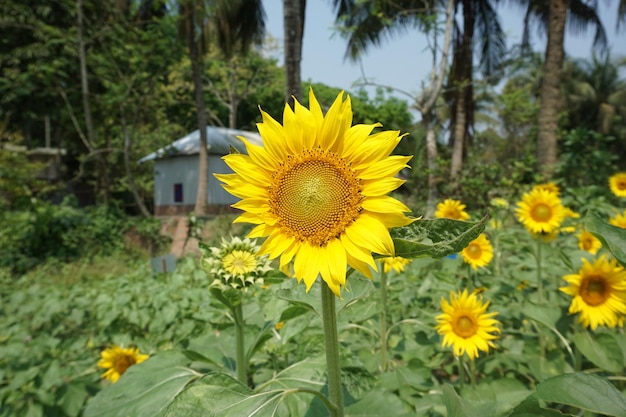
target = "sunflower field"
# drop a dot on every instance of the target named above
(542, 359)
(515, 310)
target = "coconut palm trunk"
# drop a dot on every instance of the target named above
(550, 94)
(293, 23)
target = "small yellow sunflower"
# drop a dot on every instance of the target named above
(479, 252)
(397, 263)
(235, 264)
(599, 292)
(548, 186)
(499, 202)
(451, 209)
(588, 242)
(540, 211)
(116, 360)
(317, 191)
(465, 326)
(617, 184)
(619, 220)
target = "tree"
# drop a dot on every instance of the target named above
(293, 26)
(236, 24)
(367, 23)
(479, 15)
(552, 16)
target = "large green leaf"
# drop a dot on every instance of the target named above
(459, 407)
(530, 408)
(602, 349)
(612, 237)
(378, 403)
(547, 316)
(436, 238)
(145, 389)
(221, 395)
(585, 391)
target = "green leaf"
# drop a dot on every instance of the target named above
(547, 316)
(436, 238)
(612, 237)
(221, 395)
(73, 398)
(530, 408)
(378, 403)
(458, 407)
(145, 389)
(585, 391)
(602, 349)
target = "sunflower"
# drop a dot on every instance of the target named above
(397, 263)
(116, 360)
(619, 220)
(540, 211)
(588, 242)
(479, 252)
(234, 264)
(451, 209)
(599, 292)
(548, 186)
(499, 202)
(465, 326)
(317, 191)
(617, 184)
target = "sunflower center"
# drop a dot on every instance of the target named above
(541, 212)
(621, 185)
(464, 326)
(594, 290)
(587, 243)
(315, 196)
(123, 363)
(474, 251)
(239, 262)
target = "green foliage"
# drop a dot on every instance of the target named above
(64, 232)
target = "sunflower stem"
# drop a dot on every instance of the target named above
(242, 371)
(461, 371)
(539, 277)
(383, 319)
(331, 342)
(472, 372)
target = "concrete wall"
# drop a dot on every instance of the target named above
(184, 170)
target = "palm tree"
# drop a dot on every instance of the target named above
(479, 15)
(552, 16)
(595, 93)
(367, 23)
(293, 26)
(235, 24)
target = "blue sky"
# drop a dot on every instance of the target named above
(403, 62)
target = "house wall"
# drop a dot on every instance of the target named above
(183, 170)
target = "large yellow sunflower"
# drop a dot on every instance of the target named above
(540, 211)
(599, 292)
(479, 252)
(116, 360)
(451, 209)
(549, 186)
(588, 242)
(465, 326)
(617, 184)
(619, 220)
(317, 191)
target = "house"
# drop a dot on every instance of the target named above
(176, 171)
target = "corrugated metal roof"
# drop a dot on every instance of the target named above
(219, 141)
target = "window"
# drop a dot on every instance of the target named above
(178, 193)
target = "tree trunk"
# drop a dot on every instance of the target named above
(129, 173)
(464, 94)
(293, 23)
(195, 55)
(550, 93)
(103, 178)
(431, 152)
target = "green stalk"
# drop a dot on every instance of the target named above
(539, 277)
(462, 370)
(242, 371)
(331, 342)
(383, 319)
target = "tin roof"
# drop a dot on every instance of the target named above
(219, 141)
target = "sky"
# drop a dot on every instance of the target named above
(403, 62)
